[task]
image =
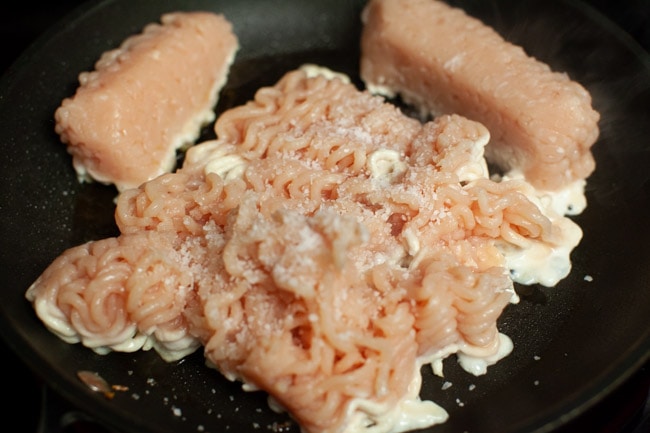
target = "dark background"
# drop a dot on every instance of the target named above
(619, 413)
(31, 18)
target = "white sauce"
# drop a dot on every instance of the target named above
(385, 164)
(312, 71)
(379, 89)
(570, 200)
(474, 360)
(476, 167)
(411, 413)
(477, 365)
(216, 158)
(539, 262)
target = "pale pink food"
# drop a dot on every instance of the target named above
(321, 249)
(147, 98)
(442, 60)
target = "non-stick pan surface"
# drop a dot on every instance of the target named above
(574, 343)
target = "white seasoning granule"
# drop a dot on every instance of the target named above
(446, 385)
(471, 387)
(176, 411)
(588, 278)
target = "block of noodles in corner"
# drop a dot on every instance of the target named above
(442, 60)
(147, 98)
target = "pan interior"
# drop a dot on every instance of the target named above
(573, 343)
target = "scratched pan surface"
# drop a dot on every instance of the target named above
(573, 343)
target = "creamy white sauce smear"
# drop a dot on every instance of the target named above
(546, 263)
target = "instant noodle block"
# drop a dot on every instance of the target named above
(147, 98)
(322, 249)
(442, 60)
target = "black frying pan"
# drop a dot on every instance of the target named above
(574, 343)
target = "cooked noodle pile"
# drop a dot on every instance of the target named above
(321, 249)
